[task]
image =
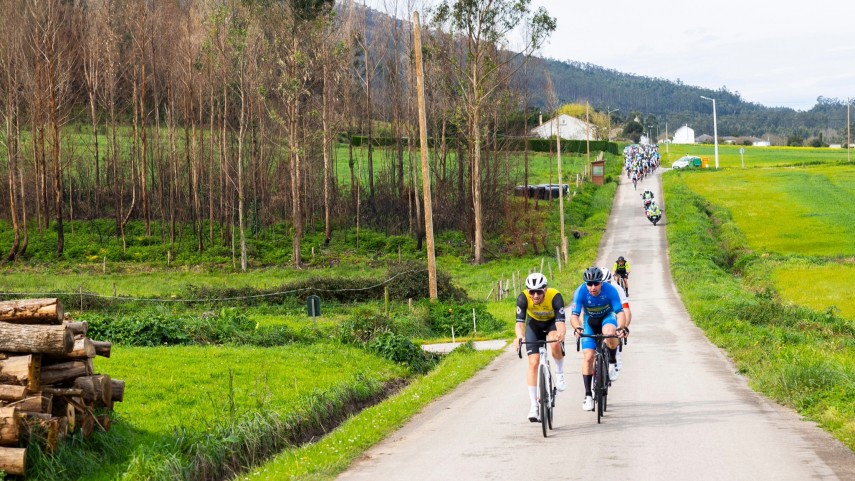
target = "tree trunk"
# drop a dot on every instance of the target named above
(13, 461)
(118, 390)
(66, 371)
(35, 339)
(12, 393)
(102, 348)
(83, 349)
(96, 389)
(9, 432)
(21, 371)
(32, 311)
(77, 328)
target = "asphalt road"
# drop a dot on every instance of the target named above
(679, 410)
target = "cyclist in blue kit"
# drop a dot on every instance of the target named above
(603, 315)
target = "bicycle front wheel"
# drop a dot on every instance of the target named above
(600, 387)
(544, 399)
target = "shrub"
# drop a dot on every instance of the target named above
(139, 329)
(410, 281)
(400, 349)
(362, 327)
(441, 316)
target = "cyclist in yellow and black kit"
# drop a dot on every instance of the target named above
(621, 269)
(540, 316)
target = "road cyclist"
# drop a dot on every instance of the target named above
(603, 315)
(540, 317)
(621, 273)
(624, 301)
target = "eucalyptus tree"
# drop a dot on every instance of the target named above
(11, 51)
(52, 49)
(297, 28)
(485, 27)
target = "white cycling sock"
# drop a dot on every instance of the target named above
(559, 365)
(532, 393)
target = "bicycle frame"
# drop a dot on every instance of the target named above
(546, 390)
(601, 381)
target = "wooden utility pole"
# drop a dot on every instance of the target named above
(420, 87)
(560, 191)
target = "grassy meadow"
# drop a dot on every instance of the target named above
(763, 260)
(729, 156)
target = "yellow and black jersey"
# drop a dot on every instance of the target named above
(550, 308)
(621, 269)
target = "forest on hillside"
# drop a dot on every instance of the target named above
(657, 101)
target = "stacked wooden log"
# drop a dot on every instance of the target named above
(48, 387)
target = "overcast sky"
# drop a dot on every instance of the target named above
(773, 53)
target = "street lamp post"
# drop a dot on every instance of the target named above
(715, 129)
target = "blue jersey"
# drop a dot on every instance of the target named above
(597, 307)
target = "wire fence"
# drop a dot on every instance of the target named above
(81, 294)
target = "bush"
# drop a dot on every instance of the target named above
(160, 327)
(400, 349)
(139, 329)
(441, 316)
(362, 327)
(410, 281)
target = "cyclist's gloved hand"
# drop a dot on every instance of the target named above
(577, 332)
(623, 332)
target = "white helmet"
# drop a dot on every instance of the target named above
(535, 281)
(607, 274)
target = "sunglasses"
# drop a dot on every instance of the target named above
(535, 292)
(593, 283)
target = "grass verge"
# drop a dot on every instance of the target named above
(331, 455)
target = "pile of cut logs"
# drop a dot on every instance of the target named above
(48, 388)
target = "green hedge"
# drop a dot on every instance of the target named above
(510, 143)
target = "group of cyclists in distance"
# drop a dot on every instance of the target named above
(640, 160)
(599, 306)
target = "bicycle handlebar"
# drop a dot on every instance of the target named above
(600, 336)
(519, 347)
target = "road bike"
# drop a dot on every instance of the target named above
(601, 382)
(621, 280)
(546, 389)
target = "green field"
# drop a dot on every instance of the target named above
(787, 210)
(729, 157)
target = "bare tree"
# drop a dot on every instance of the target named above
(50, 37)
(485, 25)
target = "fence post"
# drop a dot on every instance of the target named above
(386, 300)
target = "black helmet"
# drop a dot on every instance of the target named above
(593, 274)
(621, 259)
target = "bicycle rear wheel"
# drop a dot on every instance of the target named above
(544, 399)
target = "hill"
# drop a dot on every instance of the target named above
(657, 101)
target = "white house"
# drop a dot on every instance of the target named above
(684, 135)
(567, 127)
